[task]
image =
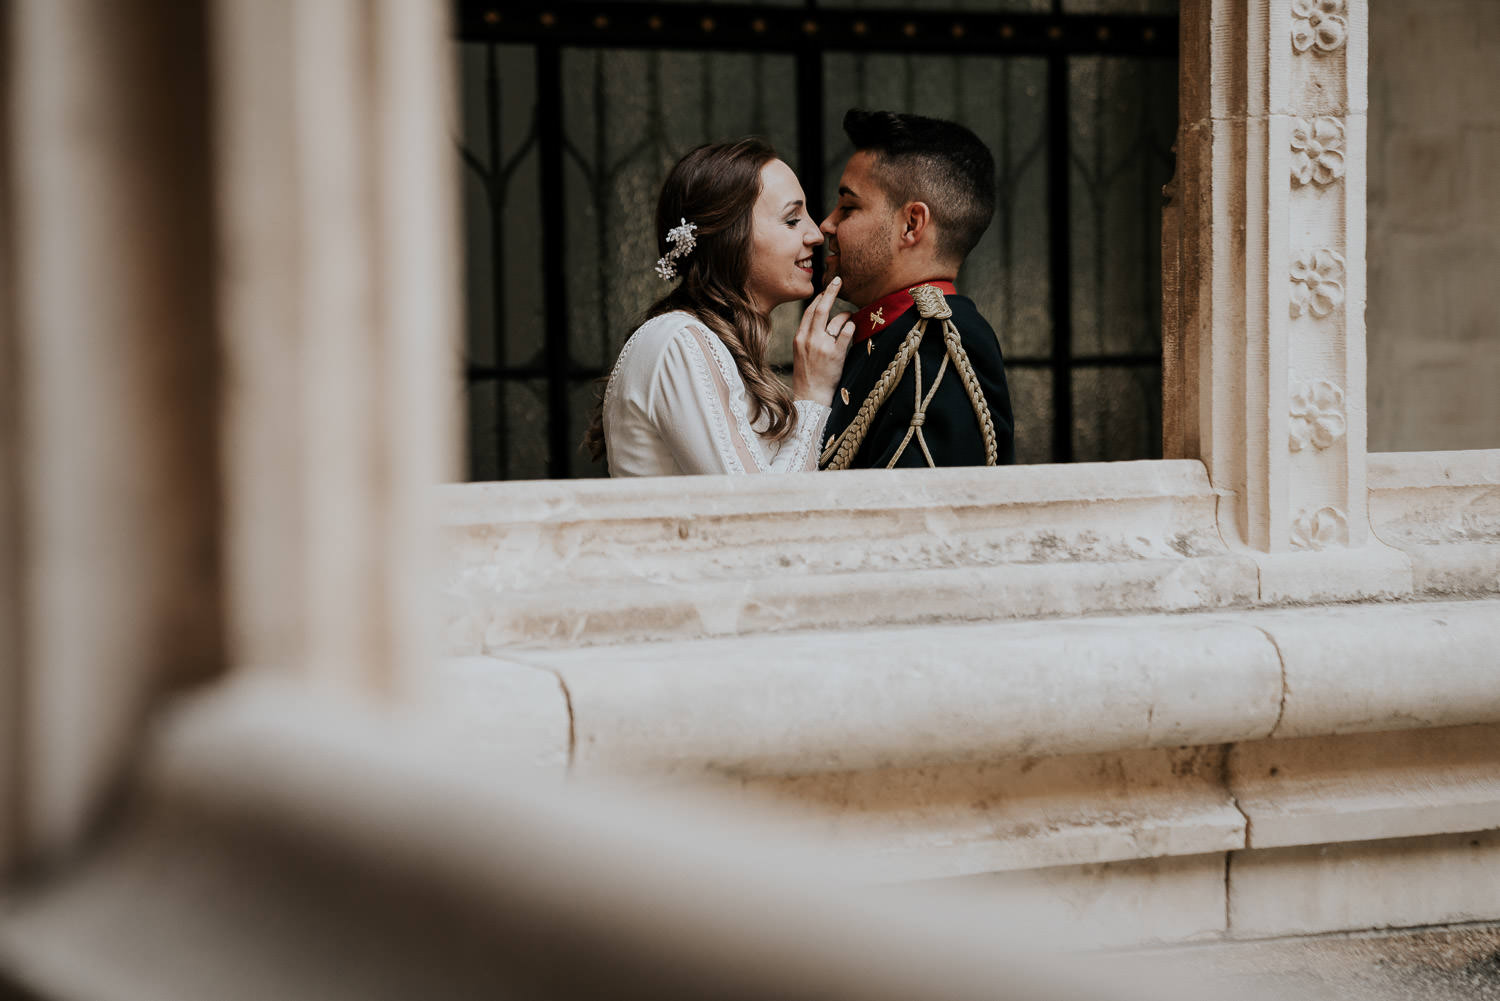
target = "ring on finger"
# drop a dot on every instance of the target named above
(833, 331)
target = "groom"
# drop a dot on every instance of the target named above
(924, 383)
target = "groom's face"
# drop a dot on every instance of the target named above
(861, 233)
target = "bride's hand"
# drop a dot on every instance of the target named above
(819, 348)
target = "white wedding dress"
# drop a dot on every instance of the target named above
(675, 403)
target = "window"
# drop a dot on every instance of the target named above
(573, 113)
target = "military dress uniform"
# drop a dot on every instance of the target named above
(934, 396)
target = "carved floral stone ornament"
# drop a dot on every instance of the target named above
(1317, 414)
(1320, 529)
(1318, 25)
(1317, 282)
(1317, 150)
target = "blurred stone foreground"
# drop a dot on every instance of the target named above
(281, 718)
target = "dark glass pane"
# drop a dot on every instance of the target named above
(1116, 413)
(1004, 100)
(501, 185)
(1031, 403)
(524, 406)
(1123, 117)
(485, 461)
(512, 446)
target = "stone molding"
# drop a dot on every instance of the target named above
(1442, 509)
(549, 565)
(1369, 787)
(959, 751)
(831, 701)
(1400, 882)
(562, 564)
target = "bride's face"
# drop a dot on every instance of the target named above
(782, 239)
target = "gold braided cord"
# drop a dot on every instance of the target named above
(919, 421)
(931, 304)
(840, 451)
(919, 412)
(970, 380)
(915, 427)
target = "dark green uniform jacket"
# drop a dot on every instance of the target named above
(950, 428)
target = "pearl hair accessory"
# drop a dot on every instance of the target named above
(683, 242)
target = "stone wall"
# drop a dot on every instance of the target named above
(1434, 224)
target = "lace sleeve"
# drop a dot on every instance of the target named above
(693, 408)
(800, 451)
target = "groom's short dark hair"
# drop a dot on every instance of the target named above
(933, 161)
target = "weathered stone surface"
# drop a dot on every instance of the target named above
(835, 701)
(651, 611)
(1443, 510)
(1369, 786)
(503, 714)
(1371, 571)
(1020, 813)
(1368, 884)
(1357, 669)
(1117, 903)
(553, 564)
(569, 564)
(832, 701)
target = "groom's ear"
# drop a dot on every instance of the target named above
(916, 221)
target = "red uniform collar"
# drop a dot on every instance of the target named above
(882, 313)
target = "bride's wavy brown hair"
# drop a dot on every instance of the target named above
(715, 186)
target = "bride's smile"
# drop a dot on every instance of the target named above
(782, 240)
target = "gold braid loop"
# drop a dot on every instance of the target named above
(970, 380)
(840, 451)
(931, 305)
(919, 413)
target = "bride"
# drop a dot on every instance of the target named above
(692, 391)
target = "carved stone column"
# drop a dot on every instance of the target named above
(1265, 338)
(12, 528)
(110, 377)
(339, 314)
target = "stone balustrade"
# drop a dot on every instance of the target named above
(550, 564)
(1058, 683)
(556, 565)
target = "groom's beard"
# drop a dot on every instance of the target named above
(863, 266)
